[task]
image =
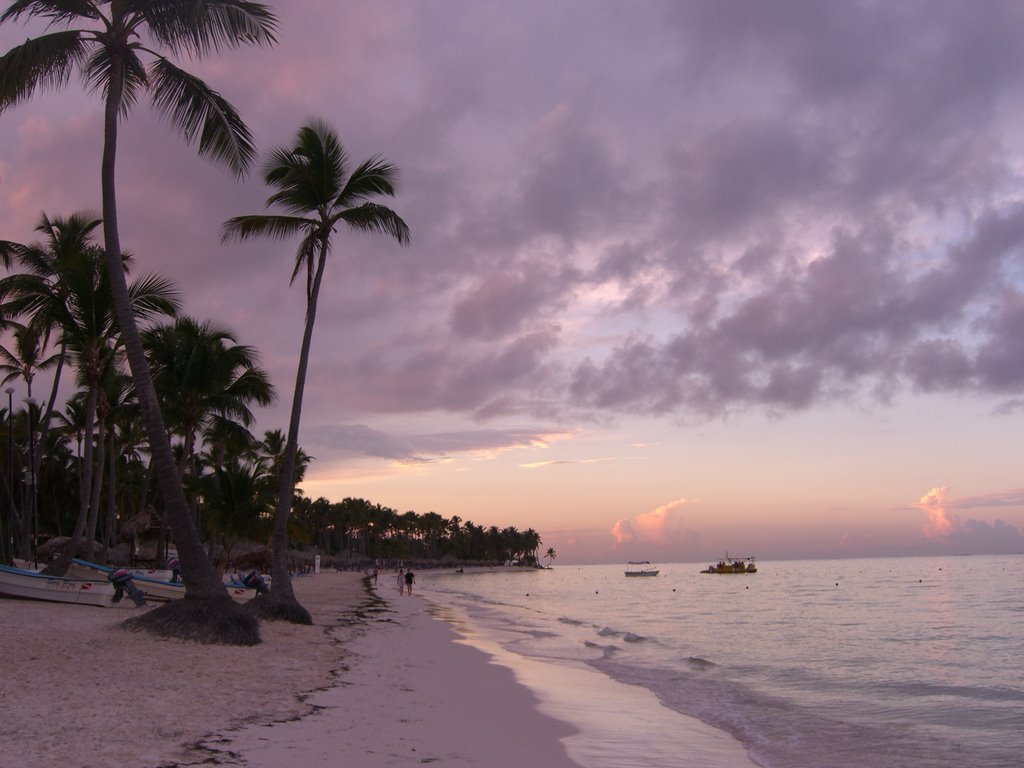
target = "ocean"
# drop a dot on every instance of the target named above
(861, 663)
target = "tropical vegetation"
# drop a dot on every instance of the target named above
(114, 45)
(154, 442)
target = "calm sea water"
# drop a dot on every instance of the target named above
(915, 662)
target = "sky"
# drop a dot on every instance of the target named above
(685, 277)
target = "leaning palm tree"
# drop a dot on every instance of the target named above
(106, 40)
(317, 193)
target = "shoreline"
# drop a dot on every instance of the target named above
(411, 693)
(381, 678)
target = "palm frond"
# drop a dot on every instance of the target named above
(98, 70)
(205, 26)
(9, 251)
(241, 228)
(371, 217)
(372, 178)
(41, 63)
(305, 256)
(152, 295)
(57, 11)
(309, 174)
(196, 109)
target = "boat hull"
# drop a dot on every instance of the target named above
(155, 589)
(30, 585)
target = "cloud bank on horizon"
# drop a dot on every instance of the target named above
(679, 209)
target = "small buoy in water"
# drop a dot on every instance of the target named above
(527, 594)
(673, 589)
(920, 581)
(747, 587)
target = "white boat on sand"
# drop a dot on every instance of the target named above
(155, 588)
(15, 582)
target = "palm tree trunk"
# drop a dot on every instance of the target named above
(60, 564)
(199, 577)
(281, 585)
(97, 486)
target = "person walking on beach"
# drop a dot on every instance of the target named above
(401, 582)
(410, 577)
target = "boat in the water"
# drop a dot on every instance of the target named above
(640, 568)
(30, 585)
(732, 565)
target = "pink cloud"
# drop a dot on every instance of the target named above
(659, 525)
(941, 523)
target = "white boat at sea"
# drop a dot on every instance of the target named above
(641, 568)
(15, 582)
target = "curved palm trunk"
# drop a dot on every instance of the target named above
(197, 573)
(281, 584)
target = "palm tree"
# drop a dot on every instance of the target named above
(550, 554)
(238, 503)
(28, 355)
(111, 52)
(206, 381)
(317, 193)
(68, 288)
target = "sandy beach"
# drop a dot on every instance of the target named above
(379, 681)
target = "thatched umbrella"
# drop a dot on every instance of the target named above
(55, 547)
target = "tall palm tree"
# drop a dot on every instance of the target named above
(110, 49)
(317, 193)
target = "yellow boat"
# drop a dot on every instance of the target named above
(730, 565)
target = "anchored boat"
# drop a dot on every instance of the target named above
(730, 565)
(640, 568)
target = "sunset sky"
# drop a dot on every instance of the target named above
(685, 277)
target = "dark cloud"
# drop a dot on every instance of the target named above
(685, 208)
(362, 440)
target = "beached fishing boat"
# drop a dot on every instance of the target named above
(15, 582)
(154, 589)
(731, 565)
(640, 568)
